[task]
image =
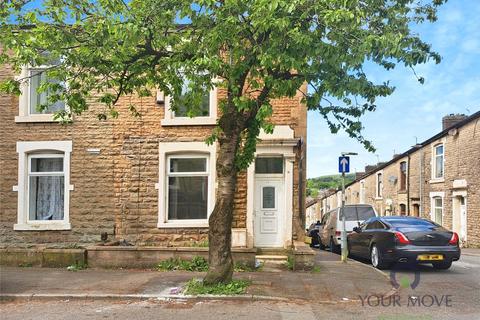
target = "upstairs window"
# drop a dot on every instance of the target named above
(379, 185)
(33, 97)
(403, 176)
(438, 161)
(203, 113)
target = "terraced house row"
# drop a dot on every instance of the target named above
(438, 179)
(148, 181)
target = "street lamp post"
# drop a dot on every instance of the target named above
(344, 228)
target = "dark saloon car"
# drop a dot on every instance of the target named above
(388, 240)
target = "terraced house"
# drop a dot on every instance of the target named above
(438, 179)
(149, 181)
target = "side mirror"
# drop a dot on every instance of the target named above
(357, 229)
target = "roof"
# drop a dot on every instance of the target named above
(457, 125)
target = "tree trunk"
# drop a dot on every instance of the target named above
(220, 221)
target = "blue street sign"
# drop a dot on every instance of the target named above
(344, 164)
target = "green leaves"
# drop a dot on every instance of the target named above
(254, 50)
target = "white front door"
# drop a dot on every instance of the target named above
(269, 210)
(463, 220)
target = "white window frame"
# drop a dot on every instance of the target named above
(45, 149)
(361, 195)
(168, 150)
(24, 114)
(378, 193)
(434, 178)
(171, 120)
(433, 196)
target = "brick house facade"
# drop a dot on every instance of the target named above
(438, 179)
(117, 176)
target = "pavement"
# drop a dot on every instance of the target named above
(331, 282)
(354, 290)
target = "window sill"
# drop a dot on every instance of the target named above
(35, 118)
(178, 224)
(378, 198)
(438, 180)
(197, 121)
(42, 226)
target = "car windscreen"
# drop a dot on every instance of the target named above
(358, 213)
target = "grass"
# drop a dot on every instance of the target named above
(196, 264)
(77, 267)
(316, 269)
(290, 263)
(198, 244)
(242, 267)
(196, 287)
(25, 265)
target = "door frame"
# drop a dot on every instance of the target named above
(286, 151)
(456, 209)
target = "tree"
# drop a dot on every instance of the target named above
(257, 50)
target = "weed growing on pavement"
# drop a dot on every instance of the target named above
(196, 287)
(243, 267)
(290, 263)
(316, 269)
(196, 264)
(76, 267)
(25, 265)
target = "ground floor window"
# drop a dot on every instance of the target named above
(46, 187)
(438, 210)
(186, 184)
(187, 187)
(43, 185)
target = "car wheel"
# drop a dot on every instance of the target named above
(444, 265)
(332, 246)
(322, 246)
(377, 259)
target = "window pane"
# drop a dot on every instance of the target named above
(46, 195)
(268, 201)
(187, 198)
(438, 215)
(47, 164)
(438, 202)
(203, 110)
(358, 213)
(188, 165)
(37, 99)
(439, 150)
(269, 165)
(439, 167)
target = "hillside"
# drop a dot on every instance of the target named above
(327, 182)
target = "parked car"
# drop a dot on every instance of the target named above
(387, 240)
(331, 231)
(312, 232)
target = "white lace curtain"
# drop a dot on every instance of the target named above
(46, 191)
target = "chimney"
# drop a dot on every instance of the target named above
(358, 175)
(370, 168)
(452, 119)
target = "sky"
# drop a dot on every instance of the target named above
(414, 111)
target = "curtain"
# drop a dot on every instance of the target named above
(46, 193)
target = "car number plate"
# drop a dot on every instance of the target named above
(430, 257)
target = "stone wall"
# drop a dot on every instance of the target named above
(114, 191)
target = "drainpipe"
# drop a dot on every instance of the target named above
(421, 181)
(300, 185)
(408, 184)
